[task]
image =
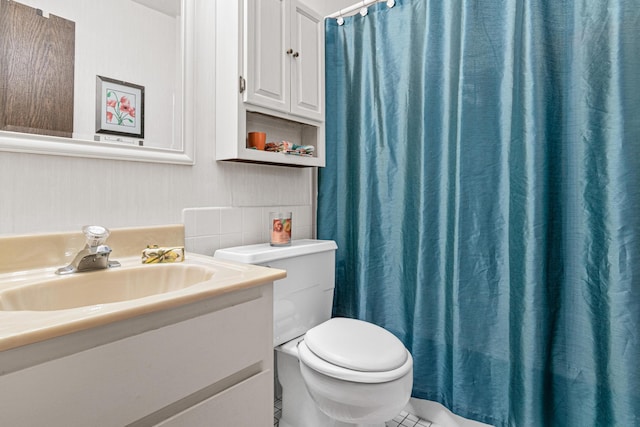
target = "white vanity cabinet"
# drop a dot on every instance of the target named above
(208, 363)
(269, 78)
(285, 58)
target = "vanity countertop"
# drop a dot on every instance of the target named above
(23, 327)
(31, 259)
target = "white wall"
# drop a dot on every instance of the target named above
(209, 229)
(327, 7)
(42, 193)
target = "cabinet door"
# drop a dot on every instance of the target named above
(307, 65)
(268, 40)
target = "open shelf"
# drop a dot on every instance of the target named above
(279, 129)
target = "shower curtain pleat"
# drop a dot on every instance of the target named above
(483, 186)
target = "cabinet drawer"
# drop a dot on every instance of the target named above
(245, 404)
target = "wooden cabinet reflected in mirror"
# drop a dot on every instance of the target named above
(36, 71)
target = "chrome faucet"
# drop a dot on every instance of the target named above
(94, 256)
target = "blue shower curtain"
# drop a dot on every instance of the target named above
(483, 186)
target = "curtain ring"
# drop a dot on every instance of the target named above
(364, 9)
(340, 19)
(391, 3)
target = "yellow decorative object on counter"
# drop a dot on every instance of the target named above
(155, 254)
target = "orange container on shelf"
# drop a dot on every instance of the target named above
(257, 140)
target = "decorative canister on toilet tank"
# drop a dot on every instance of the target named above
(280, 228)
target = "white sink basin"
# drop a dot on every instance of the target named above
(103, 287)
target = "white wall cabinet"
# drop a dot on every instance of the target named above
(270, 78)
(208, 363)
(285, 58)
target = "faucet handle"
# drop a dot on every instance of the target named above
(96, 235)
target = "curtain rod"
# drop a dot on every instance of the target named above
(358, 6)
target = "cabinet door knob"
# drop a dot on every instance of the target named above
(295, 55)
(289, 51)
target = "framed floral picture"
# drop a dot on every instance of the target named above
(119, 107)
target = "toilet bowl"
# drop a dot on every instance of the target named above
(356, 372)
(318, 392)
(334, 372)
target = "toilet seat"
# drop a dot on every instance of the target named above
(353, 350)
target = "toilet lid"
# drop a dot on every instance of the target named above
(308, 359)
(356, 345)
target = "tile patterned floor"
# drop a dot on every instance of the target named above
(277, 411)
(404, 419)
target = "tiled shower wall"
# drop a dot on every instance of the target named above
(211, 228)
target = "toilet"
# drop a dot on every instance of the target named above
(336, 372)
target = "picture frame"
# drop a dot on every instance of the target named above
(119, 107)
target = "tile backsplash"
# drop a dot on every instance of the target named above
(211, 228)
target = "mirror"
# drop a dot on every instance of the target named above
(144, 48)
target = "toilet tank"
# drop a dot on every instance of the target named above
(304, 298)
